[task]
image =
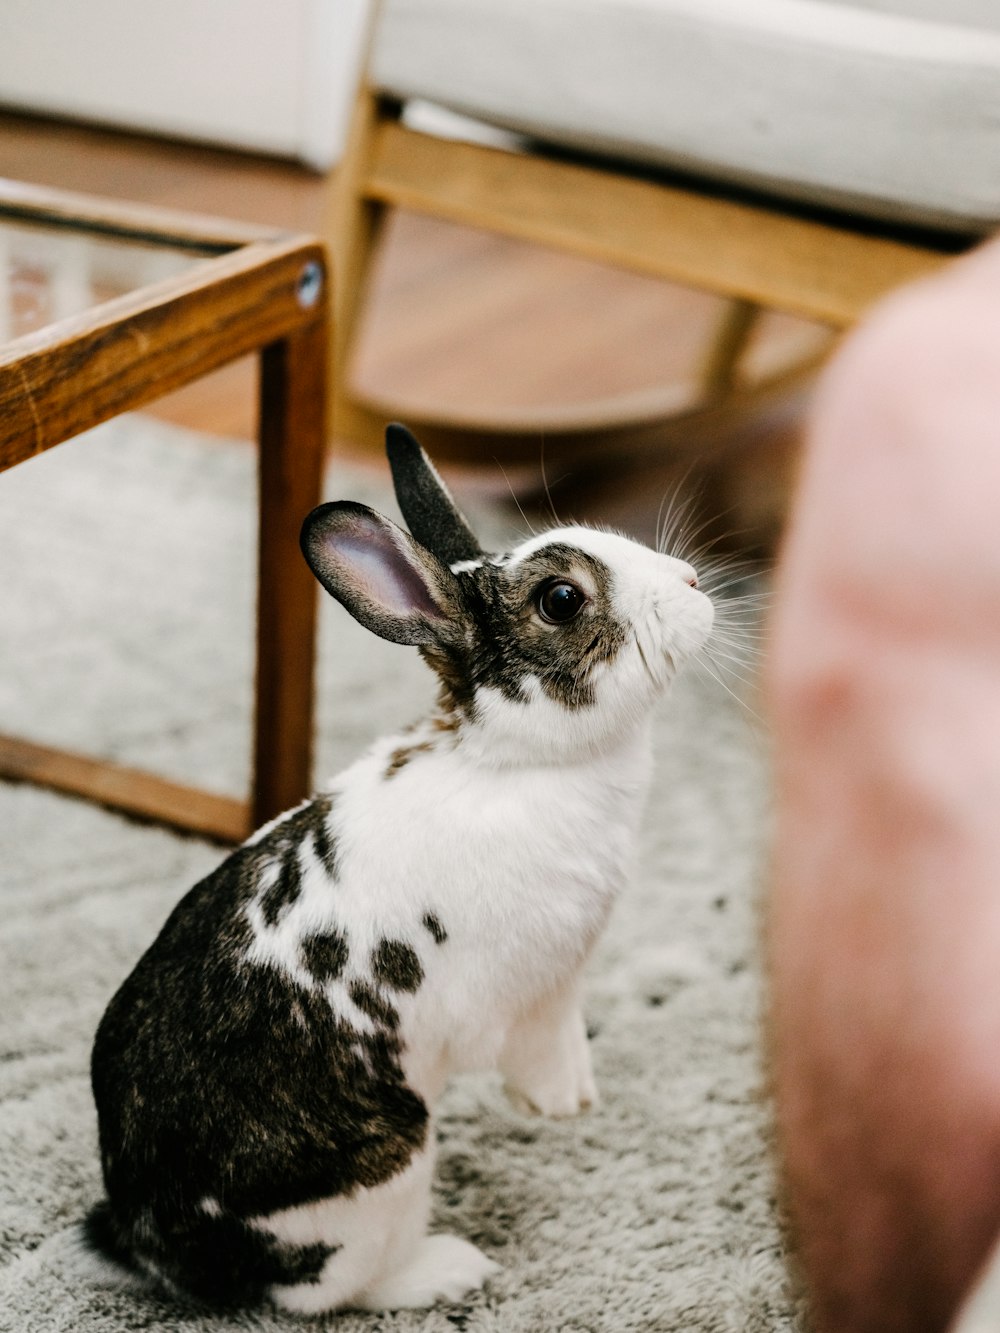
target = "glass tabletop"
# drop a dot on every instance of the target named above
(48, 272)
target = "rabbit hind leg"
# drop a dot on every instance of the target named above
(365, 1232)
(381, 1256)
(418, 1270)
(440, 1268)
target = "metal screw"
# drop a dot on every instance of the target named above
(309, 287)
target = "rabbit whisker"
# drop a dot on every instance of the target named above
(520, 509)
(545, 483)
(706, 663)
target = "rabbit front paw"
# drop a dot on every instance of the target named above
(550, 1073)
(556, 1100)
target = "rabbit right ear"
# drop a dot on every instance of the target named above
(425, 501)
(387, 581)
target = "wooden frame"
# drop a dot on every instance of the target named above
(756, 255)
(257, 292)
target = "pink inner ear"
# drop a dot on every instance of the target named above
(384, 574)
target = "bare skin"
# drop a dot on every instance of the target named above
(884, 930)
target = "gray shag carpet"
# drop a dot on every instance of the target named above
(126, 595)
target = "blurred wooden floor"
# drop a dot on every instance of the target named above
(492, 327)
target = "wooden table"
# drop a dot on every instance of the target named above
(192, 294)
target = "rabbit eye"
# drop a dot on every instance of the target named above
(559, 601)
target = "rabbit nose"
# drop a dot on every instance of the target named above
(680, 569)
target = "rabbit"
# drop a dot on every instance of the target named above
(265, 1079)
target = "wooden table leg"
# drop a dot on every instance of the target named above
(292, 451)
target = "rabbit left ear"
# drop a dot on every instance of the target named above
(425, 501)
(387, 581)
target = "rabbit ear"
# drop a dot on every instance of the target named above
(382, 576)
(426, 504)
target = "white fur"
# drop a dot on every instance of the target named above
(516, 832)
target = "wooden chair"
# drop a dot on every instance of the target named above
(785, 220)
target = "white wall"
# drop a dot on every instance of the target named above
(274, 76)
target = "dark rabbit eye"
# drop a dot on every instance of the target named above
(559, 601)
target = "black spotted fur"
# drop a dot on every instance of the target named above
(396, 964)
(219, 1079)
(438, 932)
(502, 642)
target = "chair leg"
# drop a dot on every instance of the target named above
(354, 227)
(738, 321)
(292, 451)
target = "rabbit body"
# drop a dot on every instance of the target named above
(266, 1077)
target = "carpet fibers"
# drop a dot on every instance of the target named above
(126, 593)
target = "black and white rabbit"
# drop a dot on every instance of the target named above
(265, 1078)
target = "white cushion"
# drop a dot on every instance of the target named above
(890, 107)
